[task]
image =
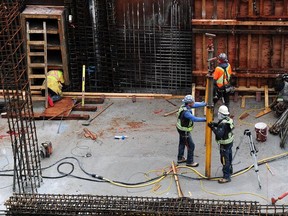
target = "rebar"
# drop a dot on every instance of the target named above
(17, 96)
(131, 46)
(49, 204)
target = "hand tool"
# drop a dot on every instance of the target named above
(90, 120)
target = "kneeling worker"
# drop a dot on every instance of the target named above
(224, 137)
(55, 80)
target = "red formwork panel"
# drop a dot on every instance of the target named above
(252, 33)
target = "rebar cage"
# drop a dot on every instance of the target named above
(48, 204)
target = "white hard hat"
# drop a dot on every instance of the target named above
(188, 99)
(223, 57)
(223, 110)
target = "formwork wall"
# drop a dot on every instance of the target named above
(152, 45)
(252, 33)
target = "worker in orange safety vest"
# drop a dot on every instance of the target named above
(55, 83)
(222, 84)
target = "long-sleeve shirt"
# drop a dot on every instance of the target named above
(190, 116)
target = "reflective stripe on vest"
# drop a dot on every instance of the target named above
(180, 115)
(220, 79)
(230, 134)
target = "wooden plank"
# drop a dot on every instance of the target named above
(127, 95)
(63, 45)
(92, 100)
(85, 108)
(266, 95)
(203, 9)
(193, 95)
(40, 116)
(250, 7)
(247, 73)
(259, 63)
(232, 22)
(180, 193)
(243, 102)
(61, 107)
(170, 113)
(242, 88)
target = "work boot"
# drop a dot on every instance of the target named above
(193, 164)
(223, 180)
(182, 160)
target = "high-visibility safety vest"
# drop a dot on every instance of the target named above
(221, 77)
(184, 124)
(55, 78)
(228, 137)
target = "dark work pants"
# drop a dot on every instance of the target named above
(226, 159)
(219, 95)
(185, 139)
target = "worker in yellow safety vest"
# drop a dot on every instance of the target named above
(224, 137)
(222, 76)
(185, 124)
(55, 83)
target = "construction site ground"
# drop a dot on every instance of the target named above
(150, 146)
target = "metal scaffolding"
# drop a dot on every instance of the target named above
(49, 204)
(17, 96)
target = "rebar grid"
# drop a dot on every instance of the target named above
(48, 204)
(131, 47)
(17, 96)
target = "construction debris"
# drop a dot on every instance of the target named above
(281, 127)
(88, 133)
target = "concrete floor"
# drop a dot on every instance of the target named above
(149, 149)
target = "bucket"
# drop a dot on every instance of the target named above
(261, 131)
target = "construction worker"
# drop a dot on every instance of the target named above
(222, 76)
(224, 137)
(55, 80)
(185, 123)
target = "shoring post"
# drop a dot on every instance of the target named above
(209, 101)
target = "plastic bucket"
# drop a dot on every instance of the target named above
(261, 131)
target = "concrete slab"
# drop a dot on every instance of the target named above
(150, 147)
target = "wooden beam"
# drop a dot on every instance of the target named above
(266, 95)
(193, 95)
(249, 73)
(119, 95)
(282, 53)
(248, 50)
(259, 63)
(170, 113)
(180, 193)
(243, 101)
(232, 22)
(203, 9)
(242, 88)
(250, 7)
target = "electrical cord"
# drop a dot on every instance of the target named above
(150, 181)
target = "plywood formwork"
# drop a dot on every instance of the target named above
(252, 33)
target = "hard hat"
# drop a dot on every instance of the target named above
(223, 110)
(222, 57)
(188, 99)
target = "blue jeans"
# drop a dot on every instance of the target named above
(226, 159)
(185, 139)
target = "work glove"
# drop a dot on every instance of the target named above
(212, 124)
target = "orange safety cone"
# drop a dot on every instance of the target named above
(50, 101)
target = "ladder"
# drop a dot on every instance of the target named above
(37, 58)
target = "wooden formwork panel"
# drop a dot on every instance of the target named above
(252, 33)
(237, 9)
